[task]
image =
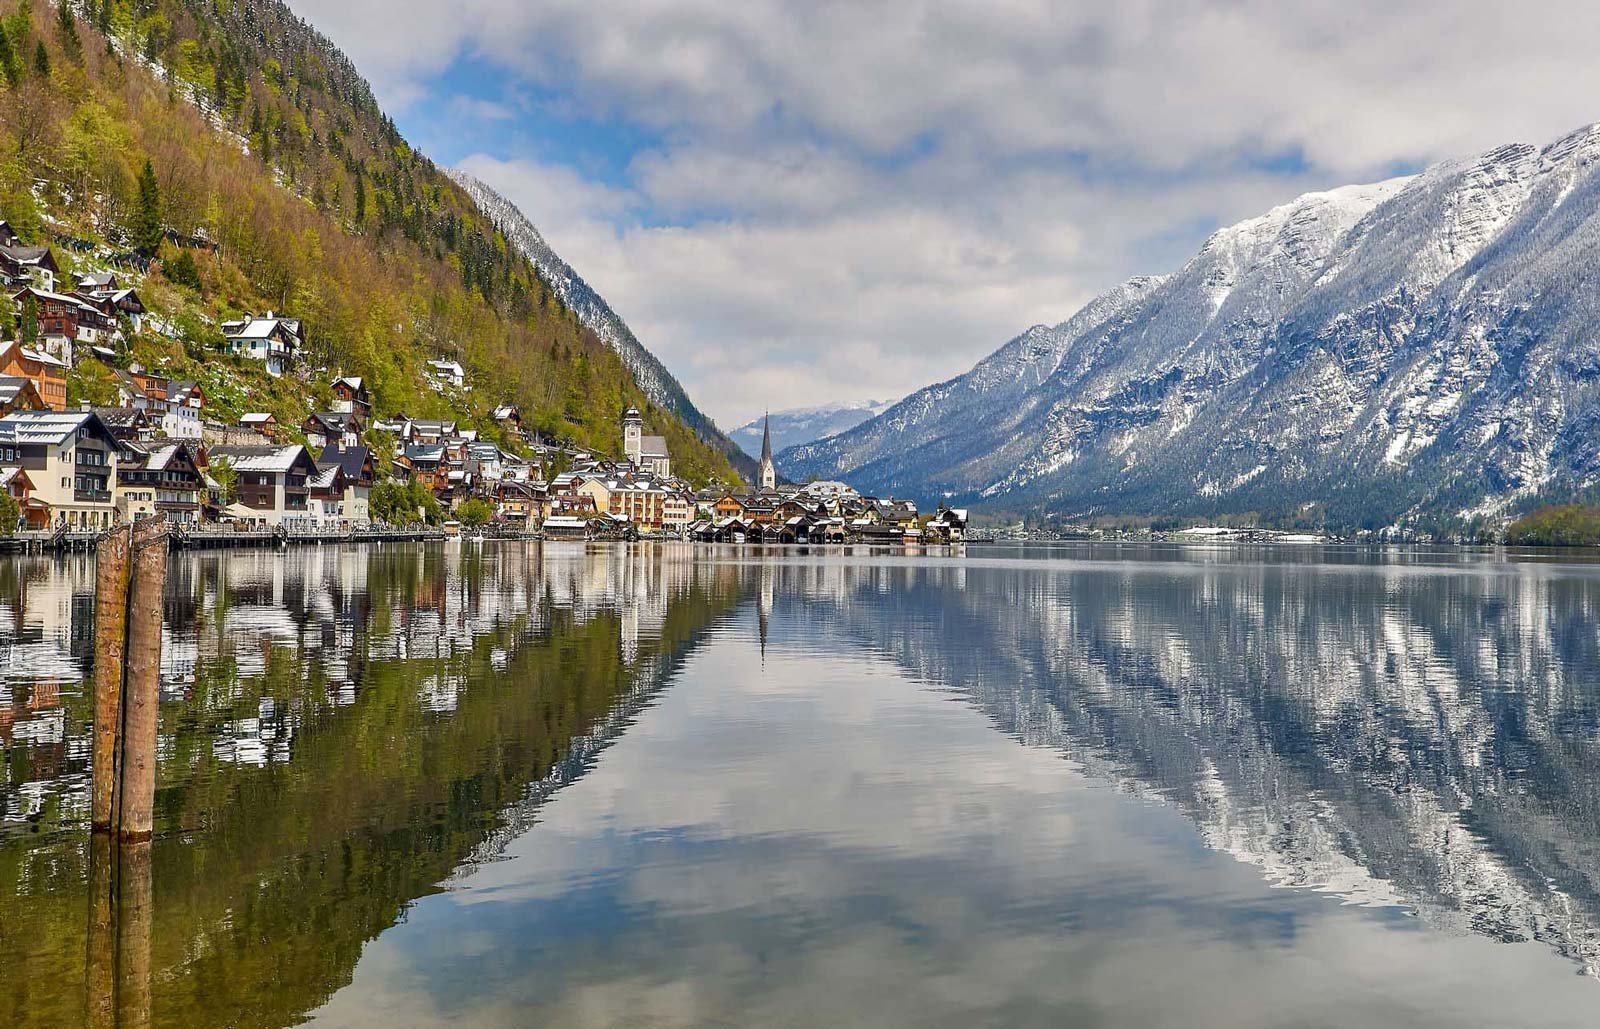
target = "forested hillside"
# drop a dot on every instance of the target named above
(279, 183)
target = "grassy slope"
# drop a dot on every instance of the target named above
(269, 147)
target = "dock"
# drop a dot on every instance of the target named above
(68, 540)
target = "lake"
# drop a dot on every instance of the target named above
(522, 784)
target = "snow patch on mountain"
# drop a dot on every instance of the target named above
(794, 426)
(1368, 353)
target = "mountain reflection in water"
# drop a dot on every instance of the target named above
(1397, 733)
(658, 783)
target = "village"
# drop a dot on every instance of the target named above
(75, 470)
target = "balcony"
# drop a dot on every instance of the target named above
(92, 496)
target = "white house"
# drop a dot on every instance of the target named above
(270, 340)
(447, 373)
(181, 419)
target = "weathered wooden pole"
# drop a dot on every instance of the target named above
(110, 644)
(135, 913)
(137, 790)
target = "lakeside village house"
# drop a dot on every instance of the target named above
(87, 469)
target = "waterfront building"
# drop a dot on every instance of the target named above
(273, 484)
(358, 472)
(70, 458)
(158, 478)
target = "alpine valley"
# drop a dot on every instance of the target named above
(1422, 349)
(798, 425)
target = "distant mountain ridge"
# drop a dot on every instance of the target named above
(797, 425)
(592, 310)
(1417, 348)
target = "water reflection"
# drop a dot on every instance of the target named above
(340, 731)
(816, 823)
(1396, 733)
(589, 785)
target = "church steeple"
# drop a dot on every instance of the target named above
(769, 471)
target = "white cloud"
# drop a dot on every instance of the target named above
(901, 186)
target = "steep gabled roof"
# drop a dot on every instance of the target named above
(51, 427)
(265, 459)
(351, 460)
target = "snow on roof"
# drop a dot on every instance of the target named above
(11, 385)
(161, 456)
(256, 418)
(53, 427)
(259, 328)
(42, 357)
(260, 459)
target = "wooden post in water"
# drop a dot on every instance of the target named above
(137, 790)
(110, 645)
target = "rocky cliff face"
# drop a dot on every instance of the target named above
(1422, 346)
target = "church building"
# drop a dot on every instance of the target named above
(769, 471)
(648, 453)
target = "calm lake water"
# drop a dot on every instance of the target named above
(512, 785)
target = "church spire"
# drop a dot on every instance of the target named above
(769, 471)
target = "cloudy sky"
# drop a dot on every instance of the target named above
(794, 203)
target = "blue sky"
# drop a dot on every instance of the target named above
(793, 204)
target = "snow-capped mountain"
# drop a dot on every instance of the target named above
(1423, 345)
(799, 425)
(592, 310)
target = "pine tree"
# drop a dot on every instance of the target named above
(147, 215)
(8, 59)
(67, 25)
(183, 271)
(41, 60)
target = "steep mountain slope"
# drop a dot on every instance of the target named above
(799, 425)
(282, 185)
(1419, 348)
(597, 315)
